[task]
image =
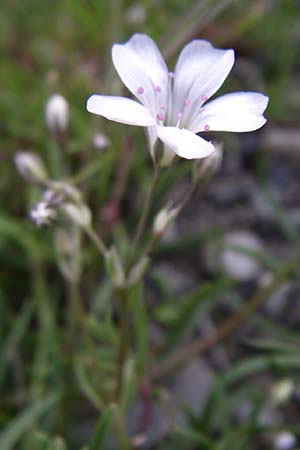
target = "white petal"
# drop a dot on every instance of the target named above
(200, 71)
(241, 111)
(143, 70)
(168, 154)
(120, 109)
(185, 143)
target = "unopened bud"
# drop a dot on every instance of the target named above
(79, 214)
(282, 391)
(100, 141)
(207, 167)
(114, 267)
(136, 14)
(138, 271)
(42, 215)
(31, 167)
(164, 219)
(58, 444)
(57, 114)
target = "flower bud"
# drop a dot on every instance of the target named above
(57, 114)
(207, 167)
(282, 391)
(114, 267)
(136, 14)
(100, 141)
(31, 167)
(42, 215)
(163, 219)
(79, 214)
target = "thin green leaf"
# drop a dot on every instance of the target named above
(22, 423)
(18, 330)
(194, 306)
(251, 366)
(86, 384)
(103, 427)
(140, 320)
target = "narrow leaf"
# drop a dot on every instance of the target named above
(103, 427)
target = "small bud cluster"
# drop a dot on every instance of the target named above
(63, 201)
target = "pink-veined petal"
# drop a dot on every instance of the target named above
(120, 109)
(143, 70)
(200, 71)
(240, 111)
(185, 143)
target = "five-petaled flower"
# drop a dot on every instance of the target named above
(173, 105)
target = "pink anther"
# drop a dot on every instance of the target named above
(187, 102)
(204, 98)
(160, 117)
(140, 90)
(162, 106)
(180, 115)
(206, 128)
(158, 89)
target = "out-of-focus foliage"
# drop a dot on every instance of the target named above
(49, 386)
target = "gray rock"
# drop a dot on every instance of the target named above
(234, 262)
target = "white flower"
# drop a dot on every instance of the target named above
(173, 105)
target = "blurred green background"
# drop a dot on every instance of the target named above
(64, 46)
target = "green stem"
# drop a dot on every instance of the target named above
(123, 343)
(87, 172)
(79, 323)
(146, 211)
(122, 436)
(96, 240)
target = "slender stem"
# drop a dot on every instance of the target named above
(227, 328)
(146, 211)
(122, 436)
(123, 343)
(96, 239)
(79, 323)
(87, 172)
